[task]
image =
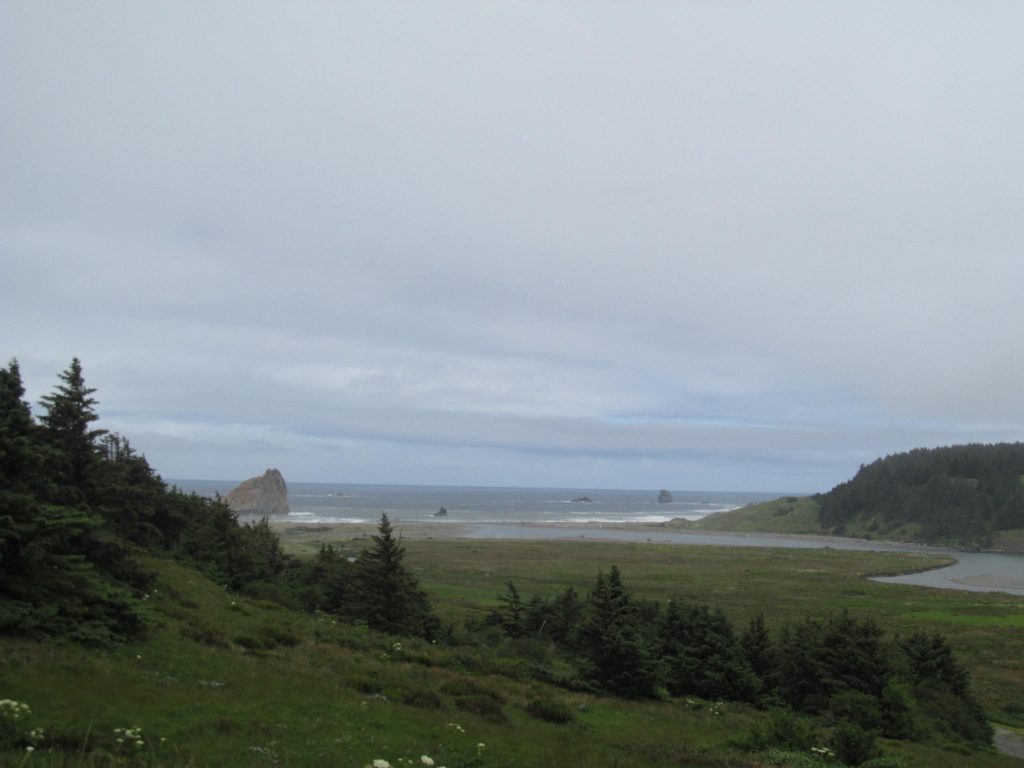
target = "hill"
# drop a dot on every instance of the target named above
(140, 626)
(963, 496)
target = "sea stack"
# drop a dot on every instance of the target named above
(664, 497)
(265, 495)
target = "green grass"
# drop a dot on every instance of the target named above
(968, 619)
(1009, 541)
(791, 515)
(233, 682)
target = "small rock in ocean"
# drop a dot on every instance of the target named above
(664, 497)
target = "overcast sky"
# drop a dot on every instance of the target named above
(704, 245)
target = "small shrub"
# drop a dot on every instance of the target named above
(274, 635)
(203, 633)
(424, 699)
(853, 745)
(365, 684)
(550, 710)
(888, 761)
(250, 643)
(465, 686)
(224, 724)
(785, 728)
(482, 706)
(791, 759)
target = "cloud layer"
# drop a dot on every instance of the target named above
(686, 246)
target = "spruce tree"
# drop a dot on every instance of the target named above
(67, 424)
(611, 638)
(389, 597)
(18, 452)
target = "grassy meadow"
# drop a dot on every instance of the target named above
(224, 681)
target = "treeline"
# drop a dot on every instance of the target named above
(958, 495)
(842, 668)
(79, 508)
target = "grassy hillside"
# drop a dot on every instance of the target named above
(790, 515)
(224, 681)
(229, 681)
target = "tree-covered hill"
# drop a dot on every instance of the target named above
(961, 494)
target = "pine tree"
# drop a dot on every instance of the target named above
(389, 597)
(760, 651)
(19, 457)
(611, 638)
(513, 617)
(67, 425)
(702, 655)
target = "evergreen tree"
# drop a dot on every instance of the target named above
(60, 573)
(702, 655)
(19, 460)
(67, 425)
(389, 598)
(513, 617)
(759, 651)
(610, 635)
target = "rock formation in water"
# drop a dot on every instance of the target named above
(265, 495)
(442, 512)
(664, 497)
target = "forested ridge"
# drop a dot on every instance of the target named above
(78, 506)
(81, 511)
(959, 494)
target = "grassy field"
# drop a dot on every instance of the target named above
(790, 514)
(225, 681)
(466, 576)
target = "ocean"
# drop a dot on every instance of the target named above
(351, 503)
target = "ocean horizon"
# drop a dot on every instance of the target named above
(362, 503)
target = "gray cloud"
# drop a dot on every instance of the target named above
(590, 244)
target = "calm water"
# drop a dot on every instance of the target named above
(340, 503)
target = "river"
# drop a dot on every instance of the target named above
(973, 571)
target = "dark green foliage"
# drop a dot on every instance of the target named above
(818, 660)
(72, 458)
(930, 660)
(62, 573)
(388, 597)
(77, 503)
(759, 651)
(610, 636)
(550, 711)
(514, 613)
(942, 690)
(702, 655)
(853, 744)
(785, 728)
(958, 494)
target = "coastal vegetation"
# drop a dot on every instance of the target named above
(962, 495)
(143, 626)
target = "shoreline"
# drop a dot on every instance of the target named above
(429, 529)
(962, 570)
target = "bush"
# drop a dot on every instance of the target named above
(852, 744)
(791, 759)
(785, 728)
(424, 699)
(550, 711)
(482, 706)
(887, 761)
(202, 632)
